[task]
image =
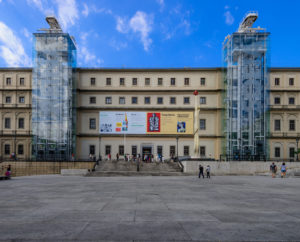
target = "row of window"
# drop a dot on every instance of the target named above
(277, 100)
(147, 81)
(172, 150)
(7, 123)
(8, 99)
(8, 152)
(9, 81)
(147, 100)
(277, 125)
(277, 152)
(92, 124)
(277, 81)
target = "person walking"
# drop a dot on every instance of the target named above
(117, 156)
(283, 170)
(208, 172)
(273, 169)
(201, 172)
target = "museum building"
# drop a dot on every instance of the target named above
(55, 109)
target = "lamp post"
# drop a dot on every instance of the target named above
(177, 148)
(297, 141)
(196, 126)
(240, 148)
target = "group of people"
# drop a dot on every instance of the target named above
(273, 169)
(201, 171)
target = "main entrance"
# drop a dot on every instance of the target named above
(146, 150)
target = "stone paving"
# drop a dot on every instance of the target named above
(226, 208)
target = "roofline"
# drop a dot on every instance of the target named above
(83, 69)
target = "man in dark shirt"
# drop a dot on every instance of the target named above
(201, 171)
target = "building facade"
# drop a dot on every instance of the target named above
(139, 90)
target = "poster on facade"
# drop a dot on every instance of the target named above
(170, 122)
(122, 122)
(146, 122)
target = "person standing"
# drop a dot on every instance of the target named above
(283, 170)
(117, 156)
(201, 172)
(273, 169)
(208, 171)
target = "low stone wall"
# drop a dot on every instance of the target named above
(29, 168)
(237, 167)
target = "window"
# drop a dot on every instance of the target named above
(172, 100)
(22, 99)
(7, 149)
(277, 81)
(186, 150)
(292, 125)
(277, 100)
(107, 149)
(202, 151)
(108, 81)
(22, 81)
(202, 81)
(159, 150)
(8, 99)
(291, 81)
(186, 100)
(134, 100)
(159, 81)
(134, 150)
(172, 150)
(92, 123)
(122, 81)
(93, 81)
(8, 81)
(7, 123)
(277, 151)
(121, 149)
(173, 81)
(292, 152)
(121, 100)
(291, 100)
(92, 149)
(92, 100)
(20, 149)
(277, 124)
(147, 100)
(202, 100)
(202, 124)
(134, 81)
(160, 100)
(108, 100)
(147, 81)
(21, 123)
(186, 81)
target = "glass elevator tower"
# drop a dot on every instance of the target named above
(246, 128)
(53, 94)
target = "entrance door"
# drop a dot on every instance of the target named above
(147, 151)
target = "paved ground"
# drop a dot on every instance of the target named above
(59, 208)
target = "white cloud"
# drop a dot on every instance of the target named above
(67, 12)
(122, 25)
(161, 4)
(85, 10)
(142, 23)
(117, 45)
(26, 33)
(11, 48)
(229, 19)
(42, 5)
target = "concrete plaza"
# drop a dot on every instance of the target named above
(57, 208)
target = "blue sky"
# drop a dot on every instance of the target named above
(147, 33)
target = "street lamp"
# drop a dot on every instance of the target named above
(177, 148)
(297, 141)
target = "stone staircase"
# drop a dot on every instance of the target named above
(124, 168)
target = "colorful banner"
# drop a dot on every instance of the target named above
(146, 122)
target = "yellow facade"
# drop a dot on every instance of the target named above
(148, 90)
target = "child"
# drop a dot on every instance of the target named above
(208, 171)
(283, 170)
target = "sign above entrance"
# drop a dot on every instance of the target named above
(146, 122)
